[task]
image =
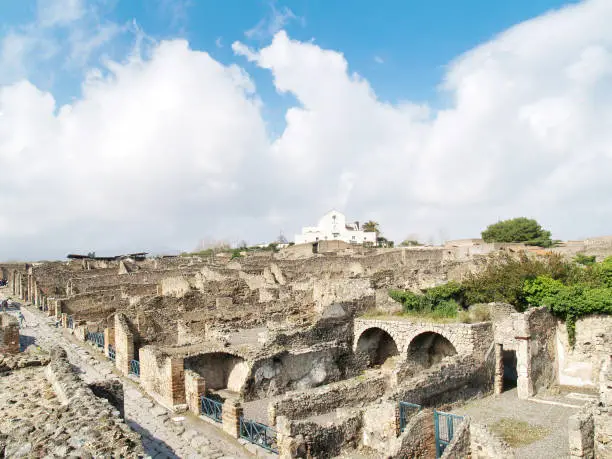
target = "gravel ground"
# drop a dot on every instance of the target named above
(553, 417)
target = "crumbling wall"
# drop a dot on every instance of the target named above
(379, 425)
(352, 392)
(581, 365)
(294, 371)
(459, 446)
(418, 440)
(162, 376)
(9, 334)
(542, 326)
(603, 412)
(485, 445)
(581, 433)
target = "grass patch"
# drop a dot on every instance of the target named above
(518, 433)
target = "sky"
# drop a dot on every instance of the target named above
(153, 125)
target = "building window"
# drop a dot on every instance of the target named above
(353, 237)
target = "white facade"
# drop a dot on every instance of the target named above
(333, 227)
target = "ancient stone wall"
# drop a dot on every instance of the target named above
(9, 334)
(107, 434)
(485, 445)
(581, 433)
(542, 326)
(124, 344)
(322, 441)
(603, 412)
(299, 405)
(379, 425)
(580, 366)
(455, 378)
(459, 446)
(162, 376)
(94, 305)
(417, 440)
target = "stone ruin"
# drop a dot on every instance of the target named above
(282, 340)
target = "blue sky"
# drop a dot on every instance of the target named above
(148, 125)
(401, 47)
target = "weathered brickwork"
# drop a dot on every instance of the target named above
(9, 334)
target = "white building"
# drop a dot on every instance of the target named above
(333, 227)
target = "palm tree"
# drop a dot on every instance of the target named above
(371, 227)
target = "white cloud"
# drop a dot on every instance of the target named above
(219, 42)
(379, 60)
(59, 12)
(276, 20)
(162, 151)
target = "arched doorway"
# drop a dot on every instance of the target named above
(378, 345)
(429, 348)
(220, 370)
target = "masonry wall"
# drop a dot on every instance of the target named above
(123, 343)
(459, 447)
(380, 425)
(581, 433)
(542, 325)
(162, 376)
(299, 405)
(455, 378)
(9, 334)
(418, 440)
(581, 365)
(484, 445)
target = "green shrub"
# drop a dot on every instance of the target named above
(519, 229)
(586, 260)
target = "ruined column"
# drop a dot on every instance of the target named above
(498, 385)
(9, 334)
(195, 387)
(124, 345)
(64, 319)
(177, 381)
(232, 412)
(109, 339)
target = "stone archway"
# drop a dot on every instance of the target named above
(428, 348)
(220, 370)
(378, 345)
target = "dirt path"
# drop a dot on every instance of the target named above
(164, 435)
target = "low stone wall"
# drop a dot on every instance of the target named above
(320, 441)
(459, 447)
(418, 439)
(455, 378)
(9, 334)
(380, 425)
(356, 391)
(485, 445)
(11, 362)
(101, 427)
(111, 390)
(581, 433)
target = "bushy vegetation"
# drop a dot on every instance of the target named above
(520, 229)
(569, 289)
(585, 260)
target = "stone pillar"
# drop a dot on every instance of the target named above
(58, 309)
(109, 339)
(195, 387)
(64, 318)
(498, 385)
(232, 412)
(524, 383)
(581, 434)
(177, 381)
(9, 334)
(124, 345)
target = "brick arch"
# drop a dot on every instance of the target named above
(444, 333)
(400, 341)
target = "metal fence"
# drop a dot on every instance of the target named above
(135, 368)
(405, 410)
(111, 352)
(211, 408)
(259, 434)
(445, 425)
(95, 338)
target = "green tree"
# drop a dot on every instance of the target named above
(371, 227)
(520, 229)
(410, 243)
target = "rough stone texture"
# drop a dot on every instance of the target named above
(162, 376)
(9, 334)
(379, 425)
(111, 390)
(25, 360)
(468, 339)
(580, 366)
(603, 412)
(542, 350)
(418, 440)
(124, 344)
(581, 433)
(485, 445)
(359, 390)
(195, 387)
(319, 441)
(459, 447)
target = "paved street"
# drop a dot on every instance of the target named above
(164, 435)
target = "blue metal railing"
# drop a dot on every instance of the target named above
(405, 409)
(211, 408)
(111, 352)
(259, 434)
(445, 425)
(96, 338)
(134, 368)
